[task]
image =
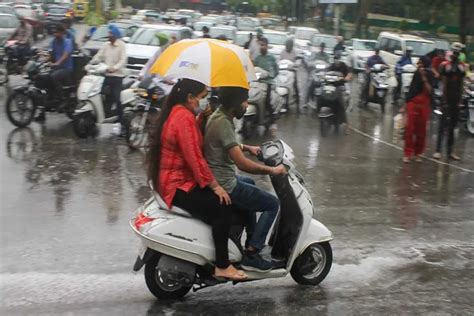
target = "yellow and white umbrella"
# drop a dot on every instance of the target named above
(214, 63)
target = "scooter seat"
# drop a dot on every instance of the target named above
(174, 209)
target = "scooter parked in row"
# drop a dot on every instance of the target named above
(92, 110)
(467, 111)
(257, 115)
(378, 87)
(178, 250)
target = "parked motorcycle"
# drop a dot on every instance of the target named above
(152, 94)
(257, 115)
(92, 110)
(39, 92)
(378, 87)
(286, 80)
(178, 250)
(332, 95)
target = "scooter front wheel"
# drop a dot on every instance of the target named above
(158, 284)
(313, 265)
(84, 125)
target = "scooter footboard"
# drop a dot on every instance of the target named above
(317, 233)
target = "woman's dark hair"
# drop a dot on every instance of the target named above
(231, 97)
(178, 95)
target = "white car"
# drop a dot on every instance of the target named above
(229, 32)
(303, 36)
(144, 43)
(393, 46)
(359, 51)
(276, 42)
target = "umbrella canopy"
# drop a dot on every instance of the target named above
(214, 63)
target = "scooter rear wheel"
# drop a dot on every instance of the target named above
(159, 286)
(313, 265)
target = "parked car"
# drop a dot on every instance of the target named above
(144, 43)
(247, 24)
(229, 32)
(31, 18)
(8, 25)
(359, 51)
(56, 15)
(440, 43)
(303, 35)
(276, 42)
(101, 35)
(393, 46)
(6, 9)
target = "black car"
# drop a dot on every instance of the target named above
(56, 15)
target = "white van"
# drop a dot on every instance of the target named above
(393, 46)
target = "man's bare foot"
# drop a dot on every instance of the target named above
(230, 273)
(437, 155)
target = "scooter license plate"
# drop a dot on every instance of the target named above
(329, 88)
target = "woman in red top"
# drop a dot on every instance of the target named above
(181, 175)
(418, 111)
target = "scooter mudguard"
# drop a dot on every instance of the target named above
(316, 233)
(179, 236)
(87, 107)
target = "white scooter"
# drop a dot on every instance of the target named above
(92, 110)
(285, 83)
(257, 115)
(408, 72)
(178, 250)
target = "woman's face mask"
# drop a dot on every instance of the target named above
(201, 106)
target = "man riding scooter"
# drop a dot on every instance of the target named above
(113, 54)
(23, 34)
(404, 60)
(372, 61)
(339, 66)
(224, 155)
(268, 63)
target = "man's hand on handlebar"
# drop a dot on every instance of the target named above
(253, 150)
(278, 170)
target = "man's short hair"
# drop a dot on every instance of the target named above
(60, 28)
(264, 40)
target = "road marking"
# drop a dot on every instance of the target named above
(401, 149)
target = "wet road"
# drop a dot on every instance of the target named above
(403, 233)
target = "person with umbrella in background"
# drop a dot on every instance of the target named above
(164, 42)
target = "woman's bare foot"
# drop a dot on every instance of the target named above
(230, 273)
(418, 159)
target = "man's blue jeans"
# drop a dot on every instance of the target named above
(247, 196)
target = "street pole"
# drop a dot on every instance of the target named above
(98, 7)
(337, 18)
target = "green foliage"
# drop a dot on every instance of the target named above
(93, 19)
(403, 25)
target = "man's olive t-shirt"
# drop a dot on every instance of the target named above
(219, 138)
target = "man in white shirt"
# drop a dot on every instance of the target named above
(114, 55)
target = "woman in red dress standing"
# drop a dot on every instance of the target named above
(181, 175)
(418, 111)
